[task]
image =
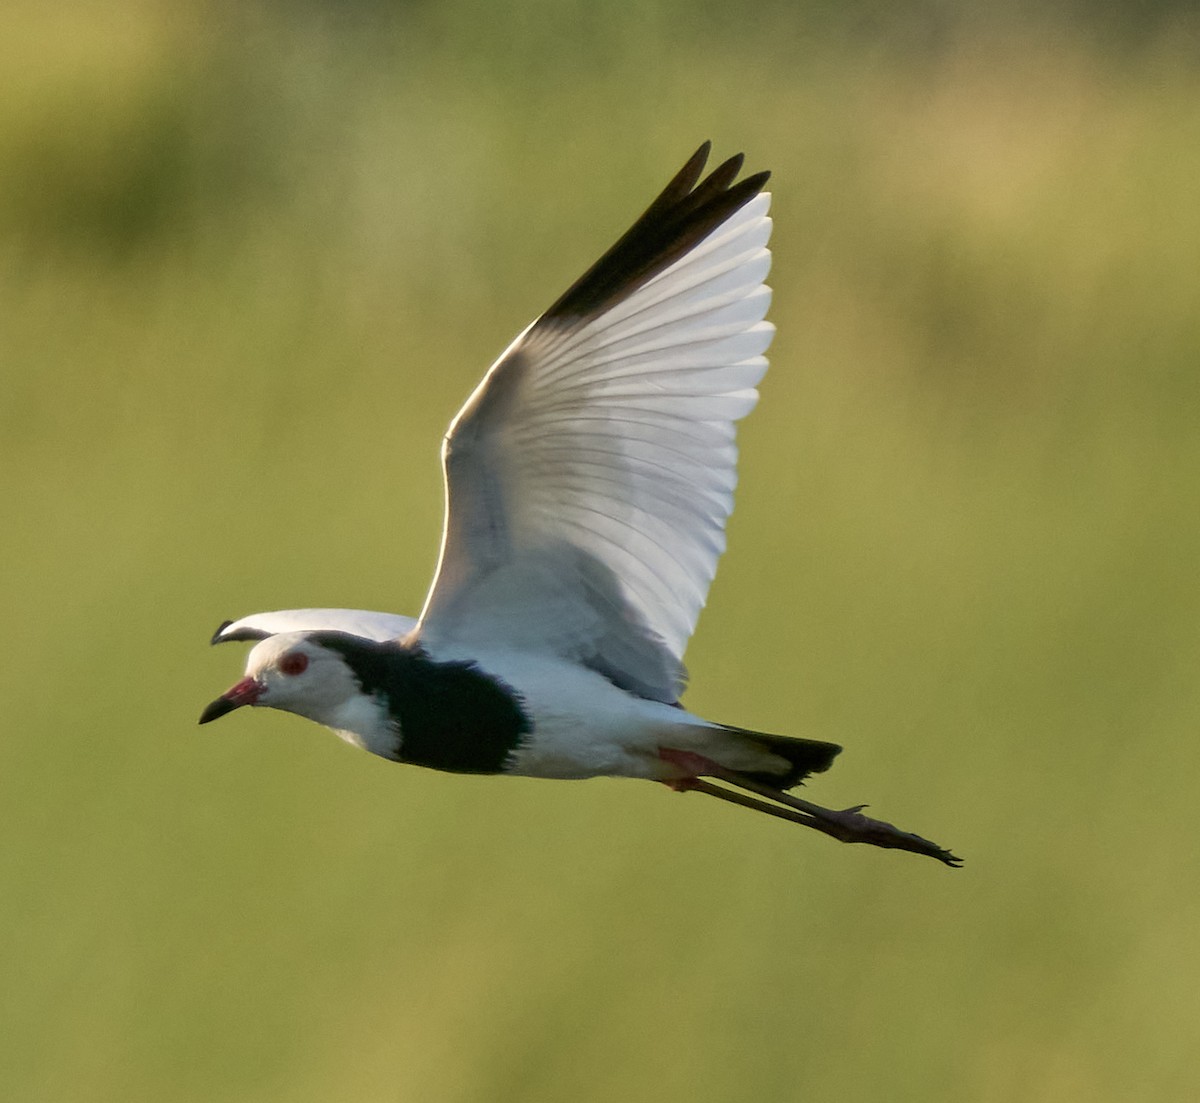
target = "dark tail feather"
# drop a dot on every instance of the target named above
(806, 756)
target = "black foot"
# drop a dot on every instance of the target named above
(851, 826)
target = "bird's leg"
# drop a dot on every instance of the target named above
(697, 785)
(848, 825)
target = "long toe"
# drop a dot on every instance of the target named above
(864, 829)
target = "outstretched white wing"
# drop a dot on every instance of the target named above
(356, 622)
(590, 475)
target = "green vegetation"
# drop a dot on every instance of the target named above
(251, 265)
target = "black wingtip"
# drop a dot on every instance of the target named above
(687, 176)
(757, 182)
(725, 173)
(686, 211)
(240, 636)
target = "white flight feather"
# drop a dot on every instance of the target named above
(591, 473)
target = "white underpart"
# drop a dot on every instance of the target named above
(586, 727)
(363, 722)
(590, 475)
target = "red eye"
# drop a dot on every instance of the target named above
(294, 662)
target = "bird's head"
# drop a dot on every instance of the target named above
(291, 671)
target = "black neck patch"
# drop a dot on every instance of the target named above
(452, 715)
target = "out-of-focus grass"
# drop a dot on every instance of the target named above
(252, 266)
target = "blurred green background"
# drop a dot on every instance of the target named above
(252, 257)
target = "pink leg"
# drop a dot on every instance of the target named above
(692, 765)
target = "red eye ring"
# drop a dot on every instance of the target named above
(293, 663)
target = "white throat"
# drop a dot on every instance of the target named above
(364, 722)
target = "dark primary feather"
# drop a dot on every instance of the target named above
(678, 220)
(805, 756)
(242, 634)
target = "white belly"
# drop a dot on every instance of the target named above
(583, 725)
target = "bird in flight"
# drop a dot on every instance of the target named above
(588, 480)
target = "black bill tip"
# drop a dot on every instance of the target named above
(219, 708)
(246, 692)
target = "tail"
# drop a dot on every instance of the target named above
(803, 756)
